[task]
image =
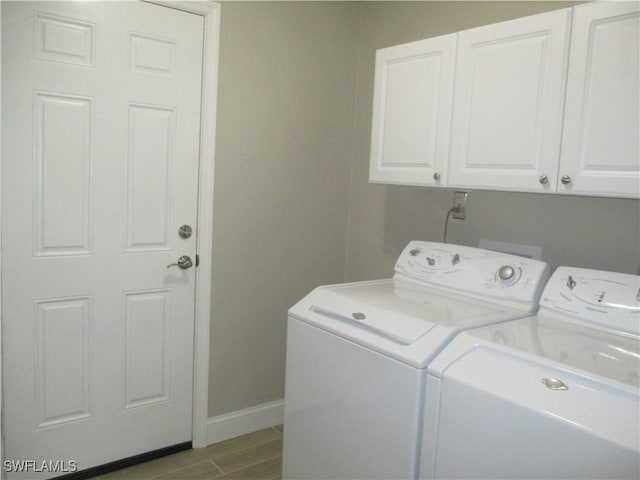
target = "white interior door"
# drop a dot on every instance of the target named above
(100, 119)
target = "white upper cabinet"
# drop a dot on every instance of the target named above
(545, 103)
(508, 106)
(601, 147)
(412, 112)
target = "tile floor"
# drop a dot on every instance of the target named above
(256, 455)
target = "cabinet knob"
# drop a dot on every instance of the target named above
(566, 179)
(543, 179)
(436, 176)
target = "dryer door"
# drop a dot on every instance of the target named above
(504, 415)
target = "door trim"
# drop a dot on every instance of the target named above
(211, 13)
(1, 382)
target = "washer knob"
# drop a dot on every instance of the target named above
(506, 272)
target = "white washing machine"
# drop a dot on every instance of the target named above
(550, 396)
(357, 353)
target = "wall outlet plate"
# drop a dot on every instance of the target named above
(460, 201)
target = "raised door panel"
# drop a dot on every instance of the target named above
(508, 98)
(62, 215)
(601, 143)
(411, 111)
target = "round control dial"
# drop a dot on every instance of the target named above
(508, 274)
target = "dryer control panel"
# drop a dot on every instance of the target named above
(603, 299)
(494, 276)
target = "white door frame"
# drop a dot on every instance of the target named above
(210, 12)
(1, 394)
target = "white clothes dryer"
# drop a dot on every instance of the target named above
(554, 395)
(357, 354)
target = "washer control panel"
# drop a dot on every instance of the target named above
(606, 299)
(474, 271)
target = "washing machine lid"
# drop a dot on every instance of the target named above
(567, 345)
(403, 328)
(403, 320)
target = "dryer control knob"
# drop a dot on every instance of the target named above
(506, 272)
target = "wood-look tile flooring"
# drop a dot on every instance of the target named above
(257, 455)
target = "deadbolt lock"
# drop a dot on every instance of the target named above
(185, 231)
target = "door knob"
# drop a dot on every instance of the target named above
(184, 262)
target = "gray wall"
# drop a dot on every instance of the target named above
(283, 147)
(293, 208)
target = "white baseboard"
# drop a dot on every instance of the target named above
(241, 422)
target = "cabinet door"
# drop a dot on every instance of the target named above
(508, 103)
(601, 147)
(412, 112)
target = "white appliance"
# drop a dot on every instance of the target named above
(550, 396)
(357, 353)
